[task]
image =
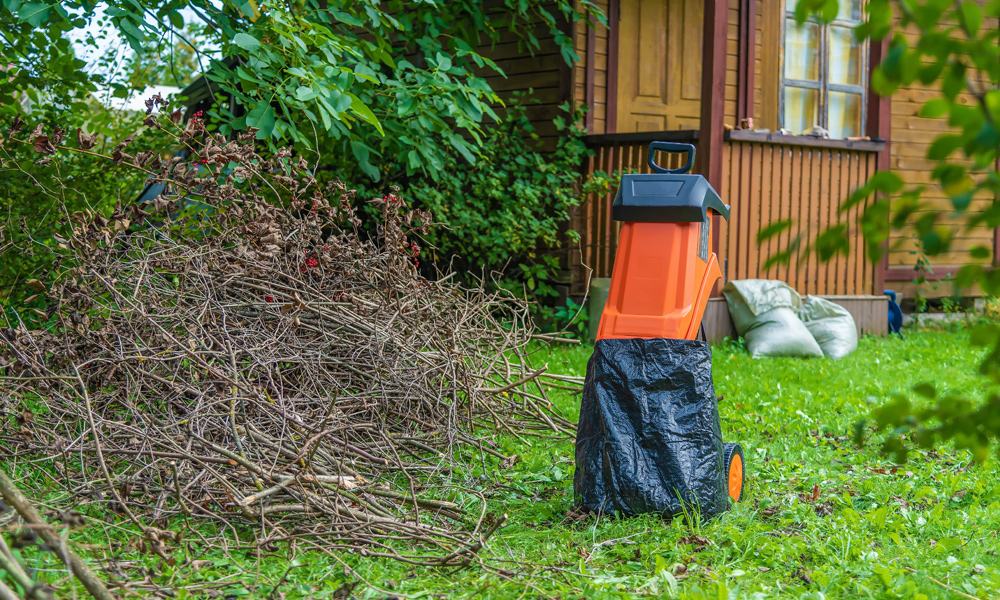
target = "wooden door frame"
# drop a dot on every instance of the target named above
(713, 99)
(879, 127)
(614, 18)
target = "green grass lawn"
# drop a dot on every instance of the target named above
(821, 518)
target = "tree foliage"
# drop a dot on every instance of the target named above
(397, 80)
(376, 88)
(503, 215)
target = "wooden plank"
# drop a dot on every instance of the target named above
(853, 227)
(861, 255)
(872, 273)
(593, 206)
(539, 80)
(964, 244)
(515, 49)
(824, 270)
(838, 196)
(595, 217)
(757, 209)
(793, 190)
(770, 203)
(770, 176)
(788, 202)
(860, 260)
(586, 229)
(814, 210)
(525, 64)
(614, 158)
(747, 249)
(736, 214)
(879, 124)
(821, 185)
(805, 181)
(608, 253)
(837, 272)
(720, 228)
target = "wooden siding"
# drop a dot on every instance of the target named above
(766, 183)
(541, 70)
(599, 73)
(911, 137)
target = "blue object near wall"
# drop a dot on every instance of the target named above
(895, 314)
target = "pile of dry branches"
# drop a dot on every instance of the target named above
(236, 352)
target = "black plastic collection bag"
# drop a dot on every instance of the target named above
(649, 437)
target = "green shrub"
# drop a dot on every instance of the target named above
(506, 215)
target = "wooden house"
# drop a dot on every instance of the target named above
(702, 71)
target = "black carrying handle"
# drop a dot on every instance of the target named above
(670, 147)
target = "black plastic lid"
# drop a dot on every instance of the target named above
(666, 195)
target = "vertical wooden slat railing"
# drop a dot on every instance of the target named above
(613, 154)
(767, 181)
(766, 178)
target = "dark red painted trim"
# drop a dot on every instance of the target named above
(590, 94)
(880, 128)
(748, 49)
(909, 273)
(614, 16)
(713, 97)
(803, 140)
(711, 135)
(607, 139)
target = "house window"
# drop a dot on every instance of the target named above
(823, 83)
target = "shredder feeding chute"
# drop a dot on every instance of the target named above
(664, 269)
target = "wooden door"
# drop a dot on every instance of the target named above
(659, 65)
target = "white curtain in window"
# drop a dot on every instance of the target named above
(844, 115)
(801, 51)
(801, 109)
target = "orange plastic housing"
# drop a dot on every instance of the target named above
(659, 285)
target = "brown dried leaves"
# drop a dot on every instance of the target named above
(85, 141)
(117, 155)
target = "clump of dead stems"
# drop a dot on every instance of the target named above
(235, 352)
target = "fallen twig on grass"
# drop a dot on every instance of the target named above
(946, 586)
(79, 569)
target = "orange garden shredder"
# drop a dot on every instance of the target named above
(649, 438)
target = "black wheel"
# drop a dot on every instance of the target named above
(702, 336)
(732, 456)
